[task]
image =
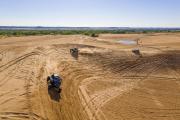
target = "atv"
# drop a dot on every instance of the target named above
(74, 52)
(136, 52)
(54, 81)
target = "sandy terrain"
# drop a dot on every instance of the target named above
(106, 82)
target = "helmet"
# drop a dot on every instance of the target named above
(55, 75)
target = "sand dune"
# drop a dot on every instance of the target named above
(106, 82)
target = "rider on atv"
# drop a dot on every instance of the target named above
(54, 81)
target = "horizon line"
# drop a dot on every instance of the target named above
(82, 26)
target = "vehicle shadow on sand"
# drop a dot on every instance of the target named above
(54, 95)
(75, 55)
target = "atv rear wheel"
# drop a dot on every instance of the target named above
(59, 91)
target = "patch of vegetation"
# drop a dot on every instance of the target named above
(92, 33)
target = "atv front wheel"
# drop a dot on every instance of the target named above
(48, 78)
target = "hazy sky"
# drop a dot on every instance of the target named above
(118, 13)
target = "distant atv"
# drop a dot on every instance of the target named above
(74, 52)
(54, 81)
(137, 52)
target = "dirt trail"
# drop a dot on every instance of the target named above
(106, 82)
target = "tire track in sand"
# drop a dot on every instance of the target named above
(94, 103)
(23, 74)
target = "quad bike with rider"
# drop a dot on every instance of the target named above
(54, 81)
(74, 50)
